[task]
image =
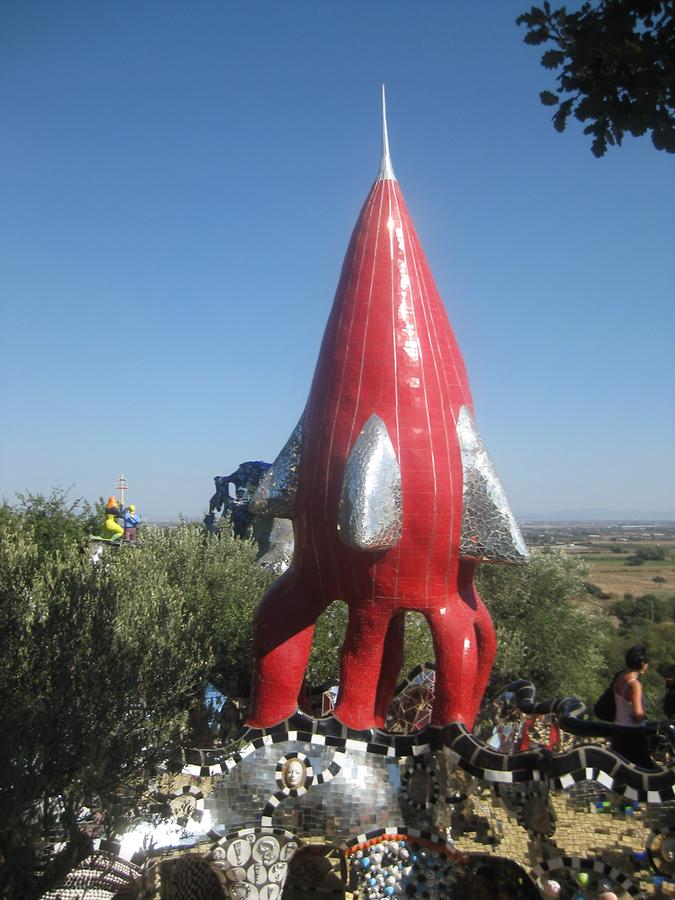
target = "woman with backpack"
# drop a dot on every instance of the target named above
(630, 712)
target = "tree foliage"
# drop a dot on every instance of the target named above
(616, 68)
(654, 553)
(630, 610)
(100, 664)
(542, 632)
(229, 587)
(55, 520)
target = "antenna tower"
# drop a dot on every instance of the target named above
(122, 488)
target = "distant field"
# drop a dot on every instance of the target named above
(613, 576)
(605, 547)
(612, 559)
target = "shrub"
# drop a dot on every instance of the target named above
(100, 664)
(542, 634)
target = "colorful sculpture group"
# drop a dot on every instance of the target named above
(116, 513)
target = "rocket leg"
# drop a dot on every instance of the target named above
(456, 651)
(392, 659)
(360, 665)
(486, 641)
(282, 642)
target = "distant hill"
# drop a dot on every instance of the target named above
(599, 515)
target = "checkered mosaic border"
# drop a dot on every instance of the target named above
(601, 869)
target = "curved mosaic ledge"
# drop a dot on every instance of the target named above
(585, 763)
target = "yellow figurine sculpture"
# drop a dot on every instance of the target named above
(113, 512)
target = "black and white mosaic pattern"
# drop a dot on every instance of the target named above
(344, 780)
(350, 780)
(187, 803)
(351, 789)
(420, 787)
(598, 871)
(661, 851)
(589, 762)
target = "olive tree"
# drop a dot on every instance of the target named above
(543, 634)
(100, 665)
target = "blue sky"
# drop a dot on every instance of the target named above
(178, 184)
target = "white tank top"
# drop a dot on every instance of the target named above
(624, 711)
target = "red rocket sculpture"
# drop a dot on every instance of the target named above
(393, 496)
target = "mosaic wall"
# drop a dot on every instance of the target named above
(370, 821)
(417, 821)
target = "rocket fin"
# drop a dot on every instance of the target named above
(275, 495)
(489, 532)
(370, 511)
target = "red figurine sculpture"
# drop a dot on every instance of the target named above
(393, 496)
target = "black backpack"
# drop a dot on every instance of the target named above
(605, 705)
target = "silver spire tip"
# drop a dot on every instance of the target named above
(386, 172)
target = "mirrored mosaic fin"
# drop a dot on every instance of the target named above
(275, 495)
(490, 532)
(369, 515)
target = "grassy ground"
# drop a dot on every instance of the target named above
(615, 577)
(609, 570)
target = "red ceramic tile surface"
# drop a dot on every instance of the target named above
(388, 350)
